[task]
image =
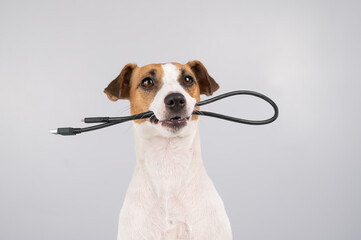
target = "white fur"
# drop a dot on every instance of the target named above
(170, 195)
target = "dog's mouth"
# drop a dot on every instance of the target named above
(174, 123)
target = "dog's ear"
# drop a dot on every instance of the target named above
(207, 85)
(119, 87)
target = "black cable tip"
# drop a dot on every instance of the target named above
(68, 131)
(96, 119)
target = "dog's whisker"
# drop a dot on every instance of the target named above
(125, 108)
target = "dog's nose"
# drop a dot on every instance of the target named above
(175, 102)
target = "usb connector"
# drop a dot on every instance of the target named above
(66, 131)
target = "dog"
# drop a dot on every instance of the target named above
(170, 195)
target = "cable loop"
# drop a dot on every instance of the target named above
(109, 121)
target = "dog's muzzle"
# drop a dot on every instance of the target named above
(176, 116)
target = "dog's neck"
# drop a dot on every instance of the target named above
(168, 164)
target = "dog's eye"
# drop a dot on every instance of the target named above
(188, 80)
(147, 82)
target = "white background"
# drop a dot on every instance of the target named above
(298, 178)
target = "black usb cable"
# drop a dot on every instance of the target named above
(110, 121)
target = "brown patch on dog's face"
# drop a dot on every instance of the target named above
(185, 72)
(141, 95)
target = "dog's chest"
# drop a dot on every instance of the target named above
(164, 196)
(174, 215)
(168, 173)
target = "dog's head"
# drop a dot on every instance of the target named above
(169, 90)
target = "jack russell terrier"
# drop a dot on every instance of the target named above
(170, 195)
